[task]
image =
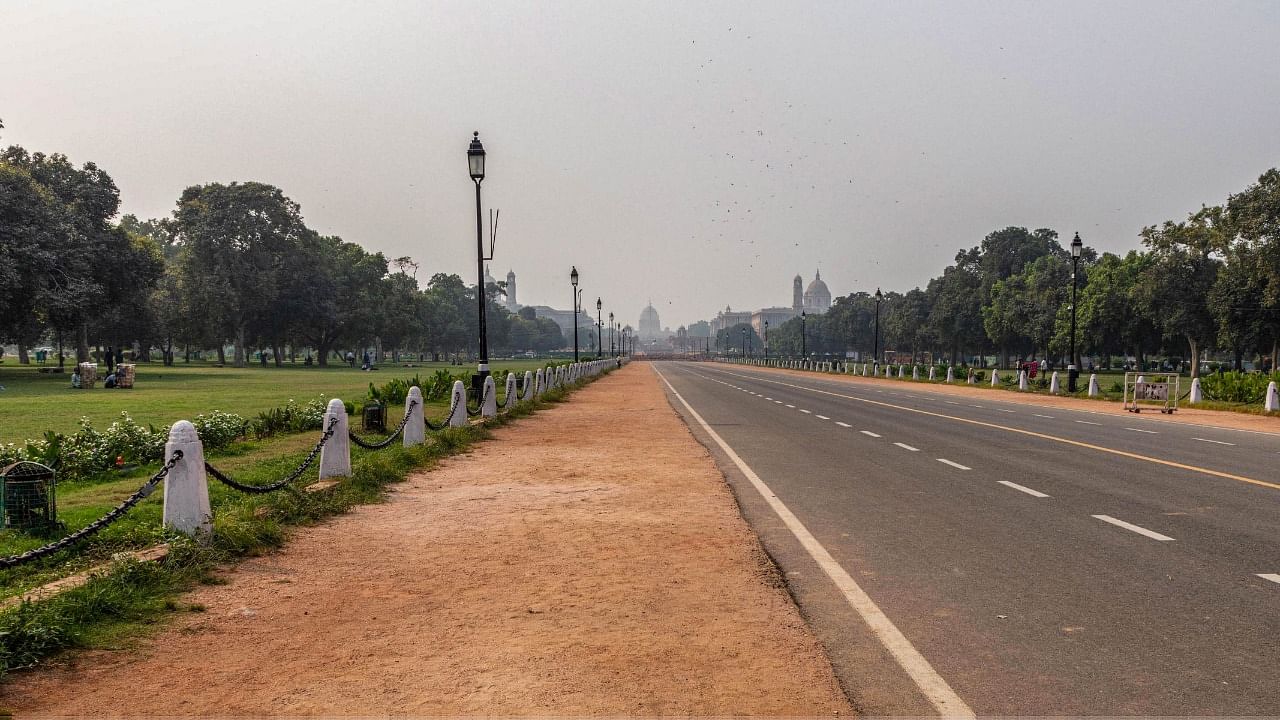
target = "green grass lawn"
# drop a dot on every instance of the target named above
(32, 402)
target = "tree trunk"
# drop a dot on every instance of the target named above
(1275, 355)
(322, 354)
(277, 356)
(1238, 352)
(241, 360)
(23, 358)
(1195, 357)
(222, 354)
(82, 343)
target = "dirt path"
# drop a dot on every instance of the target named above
(589, 560)
(1185, 414)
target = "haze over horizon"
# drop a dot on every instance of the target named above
(697, 154)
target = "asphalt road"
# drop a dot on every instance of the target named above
(1036, 561)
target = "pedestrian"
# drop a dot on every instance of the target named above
(262, 357)
(351, 358)
(110, 359)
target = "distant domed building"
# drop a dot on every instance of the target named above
(817, 297)
(650, 326)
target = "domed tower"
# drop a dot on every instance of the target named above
(650, 327)
(817, 298)
(511, 291)
(797, 294)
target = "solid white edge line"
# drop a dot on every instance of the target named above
(945, 461)
(1273, 577)
(905, 446)
(1134, 528)
(1023, 488)
(931, 684)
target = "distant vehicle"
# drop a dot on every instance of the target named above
(529, 354)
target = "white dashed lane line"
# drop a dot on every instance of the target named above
(905, 446)
(1005, 411)
(806, 412)
(822, 417)
(790, 405)
(778, 402)
(1273, 577)
(955, 465)
(1023, 488)
(1086, 422)
(1134, 528)
(949, 402)
(868, 433)
(1149, 432)
(1047, 417)
(1215, 442)
(847, 425)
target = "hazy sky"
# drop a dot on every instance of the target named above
(701, 153)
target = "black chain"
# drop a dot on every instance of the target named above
(388, 440)
(483, 396)
(96, 525)
(217, 474)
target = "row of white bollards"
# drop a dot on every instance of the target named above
(186, 487)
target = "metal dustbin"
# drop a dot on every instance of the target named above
(27, 497)
(374, 417)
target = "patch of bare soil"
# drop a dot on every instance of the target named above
(588, 560)
(1185, 414)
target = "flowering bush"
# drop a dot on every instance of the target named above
(219, 429)
(292, 417)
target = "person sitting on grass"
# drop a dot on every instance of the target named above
(75, 379)
(110, 382)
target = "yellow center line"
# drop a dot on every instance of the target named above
(1032, 433)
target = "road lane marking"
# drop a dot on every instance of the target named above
(868, 433)
(931, 684)
(1086, 422)
(949, 402)
(977, 406)
(843, 424)
(1005, 411)
(957, 465)
(790, 405)
(1149, 432)
(776, 401)
(806, 412)
(1023, 488)
(822, 417)
(1134, 528)
(1215, 442)
(1047, 417)
(768, 398)
(1273, 577)
(905, 446)
(1042, 436)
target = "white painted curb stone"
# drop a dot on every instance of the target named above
(1093, 385)
(415, 431)
(186, 489)
(1196, 394)
(1273, 397)
(1022, 379)
(490, 392)
(1054, 387)
(458, 405)
(335, 456)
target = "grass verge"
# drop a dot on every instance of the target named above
(131, 596)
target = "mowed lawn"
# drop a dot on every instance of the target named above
(34, 402)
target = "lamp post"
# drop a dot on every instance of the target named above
(875, 353)
(1073, 370)
(617, 329)
(611, 338)
(804, 349)
(744, 343)
(599, 328)
(577, 300)
(766, 341)
(475, 162)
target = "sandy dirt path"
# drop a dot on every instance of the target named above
(588, 560)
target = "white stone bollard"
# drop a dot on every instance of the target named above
(1022, 379)
(1197, 395)
(186, 488)
(415, 430)
(864, 369)
(1093, 385)
(1054, 387)
(489, 408)
(1142, 379)
(335, 456)
(933, 373)
(1273, 398)
(902, 371)
(995, 376)
(458, 405)
(951, 374)
(509, 401)
(973, 377)
(915, 372)
(538, 387)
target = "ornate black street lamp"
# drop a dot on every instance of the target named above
(577, 300)
(744, 343)
(875, 353)
(766, 341)
(599, 329)
(804, 349)
(1073, 370)
(611, 337)
(475, 160)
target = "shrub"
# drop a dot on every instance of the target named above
(290, 418)
(1237, 387)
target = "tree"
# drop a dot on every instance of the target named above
(732, 339)
(1255, 215)
(1185, 268)
(1112, 318)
